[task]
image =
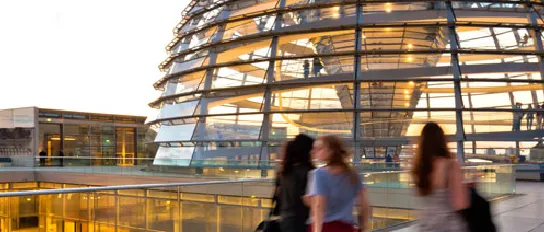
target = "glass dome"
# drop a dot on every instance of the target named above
(243, 76)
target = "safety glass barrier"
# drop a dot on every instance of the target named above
(211, 206)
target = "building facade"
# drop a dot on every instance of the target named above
(242, 76)
(107, 139)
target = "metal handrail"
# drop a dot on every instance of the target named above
(124, 187)
(149, 186)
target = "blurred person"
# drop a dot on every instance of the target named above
(530, 117)
(306, 68)
(317, 66)
(293, 178)
(335, 189)
(517, 117)
(42, 158)
(388, 160)
(61, 158)
(439, 182)
(539, 116)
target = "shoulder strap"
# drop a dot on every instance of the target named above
(447, 174)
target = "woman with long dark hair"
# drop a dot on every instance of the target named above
(292, 179)
(335, 190)
(438, 179)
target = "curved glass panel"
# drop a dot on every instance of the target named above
(175, 133)
(240, 75)
(307, 17)
(195, 40)
(405, 38)
(313, 124)
(337, 96)
(317, 43)
(200, 20)
(247, 27)
(317, 67)
(174, 156)
(177, 110)
(235, 127)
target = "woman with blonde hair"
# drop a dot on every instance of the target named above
(335, 189)
(438, 179)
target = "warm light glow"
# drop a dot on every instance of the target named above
(336, 8)
(387, 29)
(410, 46)
(406, 91)
(364, 36)
(411, 83)
(388, 10)
(406, 104)
(29, 199)
(335, 15)
(49, 120)
(65, 139)
(410, 59)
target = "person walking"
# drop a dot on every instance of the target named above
(293, 179)
(42, 158)
(317, 67)
(539, 116)
(438, 180)
(530, 117)
(517, 117)
(306, 68)
(335, 189)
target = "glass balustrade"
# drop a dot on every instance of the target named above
(205, 206)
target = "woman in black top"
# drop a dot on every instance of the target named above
(292, 178)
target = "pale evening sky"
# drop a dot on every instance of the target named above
(84, 55)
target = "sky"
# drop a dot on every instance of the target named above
(84, 55)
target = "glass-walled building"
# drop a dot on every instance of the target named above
(244, 75)
(80, 138)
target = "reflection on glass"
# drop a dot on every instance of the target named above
(405, 38)
(339, 96)
(313, 68)
(244, 52)
(243, 28)
(316, 43)
(307, 16)
(177, 110)
(313, 124)
(175, 133)
(240, 75)
(235, 127)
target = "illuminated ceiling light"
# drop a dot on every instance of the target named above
(410, 59)
(388, 10)
(387, 29)
(336, 8)
(406, 91)
(407, 104)
(410, 46)
(29, 199)
(411, 83)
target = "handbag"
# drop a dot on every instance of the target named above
(478, 215)
(272, 224)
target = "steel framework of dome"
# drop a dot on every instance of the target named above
(244, 75)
